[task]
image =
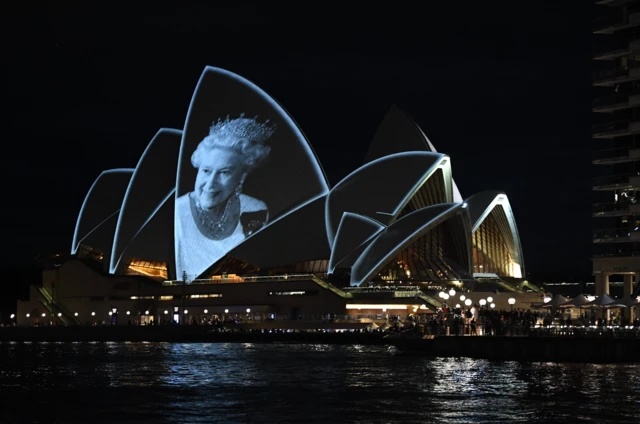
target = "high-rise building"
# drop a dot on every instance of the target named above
(616, 134)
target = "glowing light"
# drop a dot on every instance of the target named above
(166, 312)
(248, 310)
(13, 316)
(384, 309)
(512, 301)
(44, 315)
(457, 306)
(206, 311)
(445, 296)
(146, 312)
(467, 302)
(226, 311)
(547, 299)
(462, 298)
(493, 305)
(186, 312)
(390, 307)
(28, 315)
(441, 295)
(452, 292)
(110, 313)
(128, 312)
(75, 314)
(93, 314)
(516, 270)
(489, 299)
(483, 302)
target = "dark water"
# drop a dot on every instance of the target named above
(249, 383)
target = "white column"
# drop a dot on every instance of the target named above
(628, 289)
(602, 287)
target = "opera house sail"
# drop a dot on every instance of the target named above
(239, 195)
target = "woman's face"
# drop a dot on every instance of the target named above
(221, 171)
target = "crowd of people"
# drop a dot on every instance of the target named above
(517, 322)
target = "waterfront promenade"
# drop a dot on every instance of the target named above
(550, 343)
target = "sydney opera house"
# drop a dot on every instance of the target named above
(233, 216)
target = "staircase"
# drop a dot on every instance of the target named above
(331, 287)
(67, 317)
(430, 301)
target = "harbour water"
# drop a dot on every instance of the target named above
(138, 382)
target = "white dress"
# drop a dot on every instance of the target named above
(194, 251)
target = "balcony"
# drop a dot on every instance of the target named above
(615, 182)
(615, 129)
(622, 254)
(617, 102)
(611, 24)
(613, 156)
(616, 235)
(615, 209)
(612, 2)
(618, 49)
(611, 77)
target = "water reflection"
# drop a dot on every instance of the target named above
(192, 383)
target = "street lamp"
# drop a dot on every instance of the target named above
(93, 314)
(452, 292)
(462, 298)
(467, 302)
(483, 302)
(489, 299)
(166, 312)
(441, 294)
(512, 302)
(493, 305)
(206, 311)
(44, 315)
(28, 315)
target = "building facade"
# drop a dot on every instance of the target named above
(233, 214)
(616, 134)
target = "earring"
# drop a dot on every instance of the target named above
(238, 190)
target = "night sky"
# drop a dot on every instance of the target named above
(504, 91)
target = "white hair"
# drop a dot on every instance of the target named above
(245, 135)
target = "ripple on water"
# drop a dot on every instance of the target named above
(238, 383)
